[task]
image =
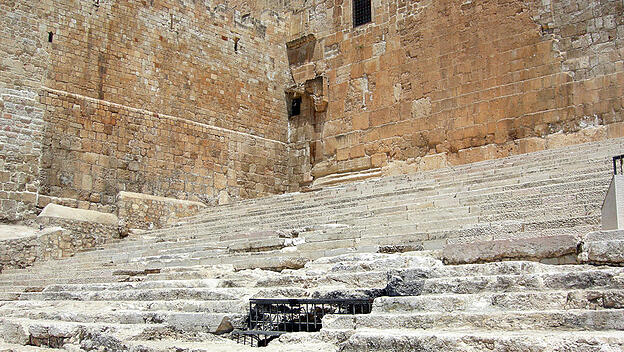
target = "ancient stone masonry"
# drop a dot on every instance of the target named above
(22, 67)
(191, 100)
(175, 99)
(141, 211)
(427, 84)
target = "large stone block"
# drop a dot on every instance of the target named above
(62, 212)
(538, 248)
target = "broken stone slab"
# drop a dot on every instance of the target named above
(536, 249)
(8, 232)
(603, 252)
(402, 340)
(609, 235)
(59, 211)
(603, 247)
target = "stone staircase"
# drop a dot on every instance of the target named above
(184, 287)
(504, 306)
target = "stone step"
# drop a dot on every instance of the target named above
(178, 305)
(474, 340)
(185, 321)
(215, 294)
(276, 209)
(11, 347)
(200, 283)
(507, 268)
(479, 177)
(358, 279)
(213, 343)
(492, 302)
(476, 233)
(51, 333)
(572, 319)
(594, 279)
(207, 294)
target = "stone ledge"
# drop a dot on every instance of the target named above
(132, 195)
(537, 248)
(59, 211)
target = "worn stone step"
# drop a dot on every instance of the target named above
(163, 284)
(488, 302)
(403, 340)
(358, 279)
(184, 321)
(579, 319)
(46, 333)
(141, 295)
(438, 238)
(178, 305)
(609, 252)
(533, 185)
(208, 294)
(513, 268)
(11, 347)
(612, 278)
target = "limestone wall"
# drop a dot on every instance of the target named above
(171, 98)
(186, 99)
(458, 81)
(23, 63)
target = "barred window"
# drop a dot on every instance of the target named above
(361, 12)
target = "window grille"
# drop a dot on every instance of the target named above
(361, 12)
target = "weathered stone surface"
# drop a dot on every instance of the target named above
(144, 211)
(58, 211)
(406, 283)
(402, 340)
(603, 247)
(381, 101)
(603, 252)
(537, 248)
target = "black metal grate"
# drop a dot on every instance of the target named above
(269, 318)
(618, 165)
(361, 12)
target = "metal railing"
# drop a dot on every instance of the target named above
(618, 165)
(269, 318)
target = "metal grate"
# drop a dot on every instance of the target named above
(269, 318)
(618, 165)
(361, 12)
